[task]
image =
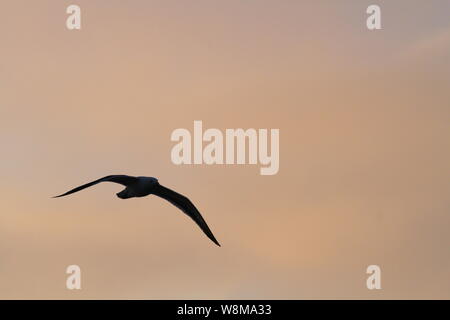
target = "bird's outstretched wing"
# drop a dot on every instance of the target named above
(186, 206)
(122, 179)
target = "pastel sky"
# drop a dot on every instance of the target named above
(364, 148)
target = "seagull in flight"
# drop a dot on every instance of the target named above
(144, 186)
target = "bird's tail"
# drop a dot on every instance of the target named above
(124, 194)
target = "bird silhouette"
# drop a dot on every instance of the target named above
(144, 186)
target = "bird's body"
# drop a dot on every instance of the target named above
(144, 186)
